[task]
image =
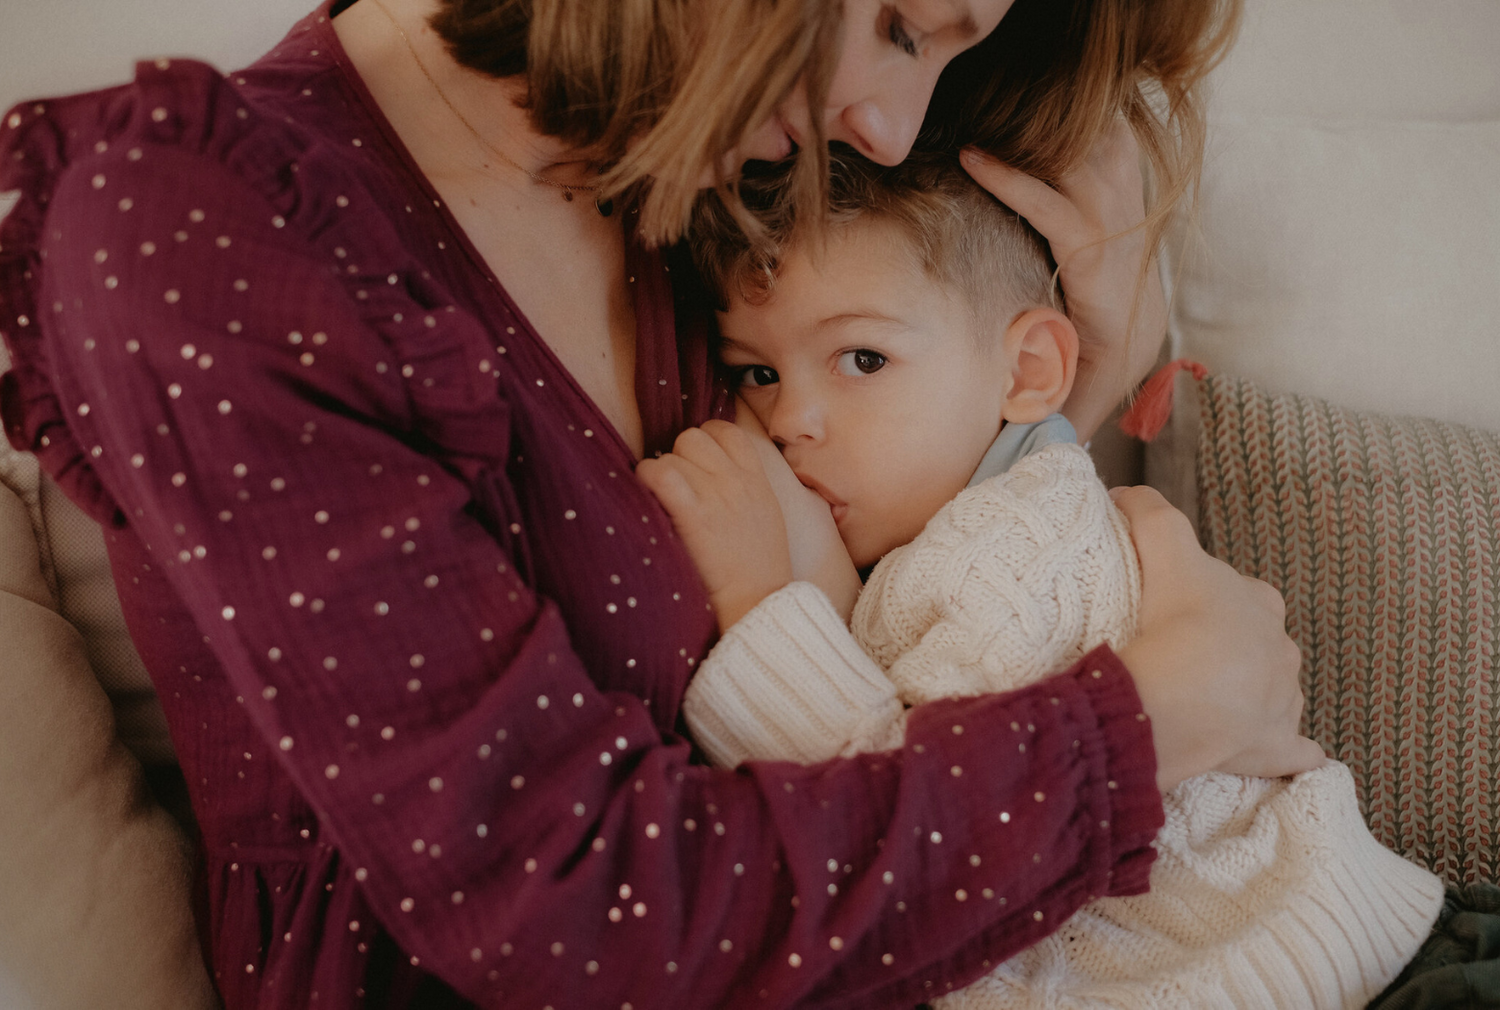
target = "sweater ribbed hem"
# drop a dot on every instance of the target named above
(1335, 934)
(788, 683)
(1362, 917)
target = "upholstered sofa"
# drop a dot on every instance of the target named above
(1341, 275)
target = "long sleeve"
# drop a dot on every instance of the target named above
(788, 683)
(325, 482)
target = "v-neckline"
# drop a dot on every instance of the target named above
(635, 257)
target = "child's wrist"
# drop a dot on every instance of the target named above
(732, 604)
(839, 580)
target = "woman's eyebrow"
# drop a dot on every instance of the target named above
(966, 26)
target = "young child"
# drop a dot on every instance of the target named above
(909, 365)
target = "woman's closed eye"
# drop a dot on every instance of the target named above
(755, 376)
(861, 361)
(895, 30)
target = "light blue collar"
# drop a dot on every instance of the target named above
(1017, 441)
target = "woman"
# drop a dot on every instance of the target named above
(354, 355)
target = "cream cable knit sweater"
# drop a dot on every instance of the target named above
(1265, 893)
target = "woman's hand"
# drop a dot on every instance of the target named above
(818, 554)
(715, 489)
(1212, 662)
(1092, 220)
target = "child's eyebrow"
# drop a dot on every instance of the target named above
(728, 343)
(858, 315)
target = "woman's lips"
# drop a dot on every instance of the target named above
(784, 141)
(793, 141)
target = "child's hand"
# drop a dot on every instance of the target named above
(818, 555)
(1093, 220)
(715, 489)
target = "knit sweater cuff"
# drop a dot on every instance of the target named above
(1130, 754)
(788, 683)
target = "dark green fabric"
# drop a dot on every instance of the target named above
(1459, 965)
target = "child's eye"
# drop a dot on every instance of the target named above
(862, 361)
(758, 375)
(899, 36)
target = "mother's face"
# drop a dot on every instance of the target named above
(893, 52)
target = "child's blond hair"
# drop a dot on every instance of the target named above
(959, 234)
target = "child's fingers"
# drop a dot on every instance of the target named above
(736, 444)
(698, 447)
(666, 478)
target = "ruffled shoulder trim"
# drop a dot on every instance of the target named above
(39, 141)
(316, 194)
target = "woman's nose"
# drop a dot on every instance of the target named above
(879, 108)
(883, 128)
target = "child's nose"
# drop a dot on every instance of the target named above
(795, 419)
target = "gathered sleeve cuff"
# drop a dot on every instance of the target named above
(1129, 754)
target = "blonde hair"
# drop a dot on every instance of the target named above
(662, 90)
(1041, 91)
(658, 90)
(956, 232)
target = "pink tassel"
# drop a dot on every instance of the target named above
(1153, 404)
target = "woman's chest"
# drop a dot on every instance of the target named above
(559, 489)
(596, 544)
(563, 266)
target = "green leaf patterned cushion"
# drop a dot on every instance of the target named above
(1383, 533)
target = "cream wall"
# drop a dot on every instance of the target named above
(52, 47)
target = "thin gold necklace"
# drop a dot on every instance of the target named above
(604, 207)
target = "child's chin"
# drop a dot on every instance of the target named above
(864, 559)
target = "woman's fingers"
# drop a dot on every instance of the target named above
(1214, 666)
(1273, 600)
(1093, 220)
(1048, 211)
(1298, 755)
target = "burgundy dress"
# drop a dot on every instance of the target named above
(420, 634)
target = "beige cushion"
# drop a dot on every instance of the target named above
(95, 879)
(1383, 533)
(1347, 243)
(76, 571)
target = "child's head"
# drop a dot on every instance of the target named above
(884, 355)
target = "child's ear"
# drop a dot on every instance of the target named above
(1041, 349)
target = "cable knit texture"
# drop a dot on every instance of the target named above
(1266, 892)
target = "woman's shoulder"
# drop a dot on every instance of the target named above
(189, 209)
(206, 124)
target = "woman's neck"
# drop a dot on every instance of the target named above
(461, 118)
(561, 261)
